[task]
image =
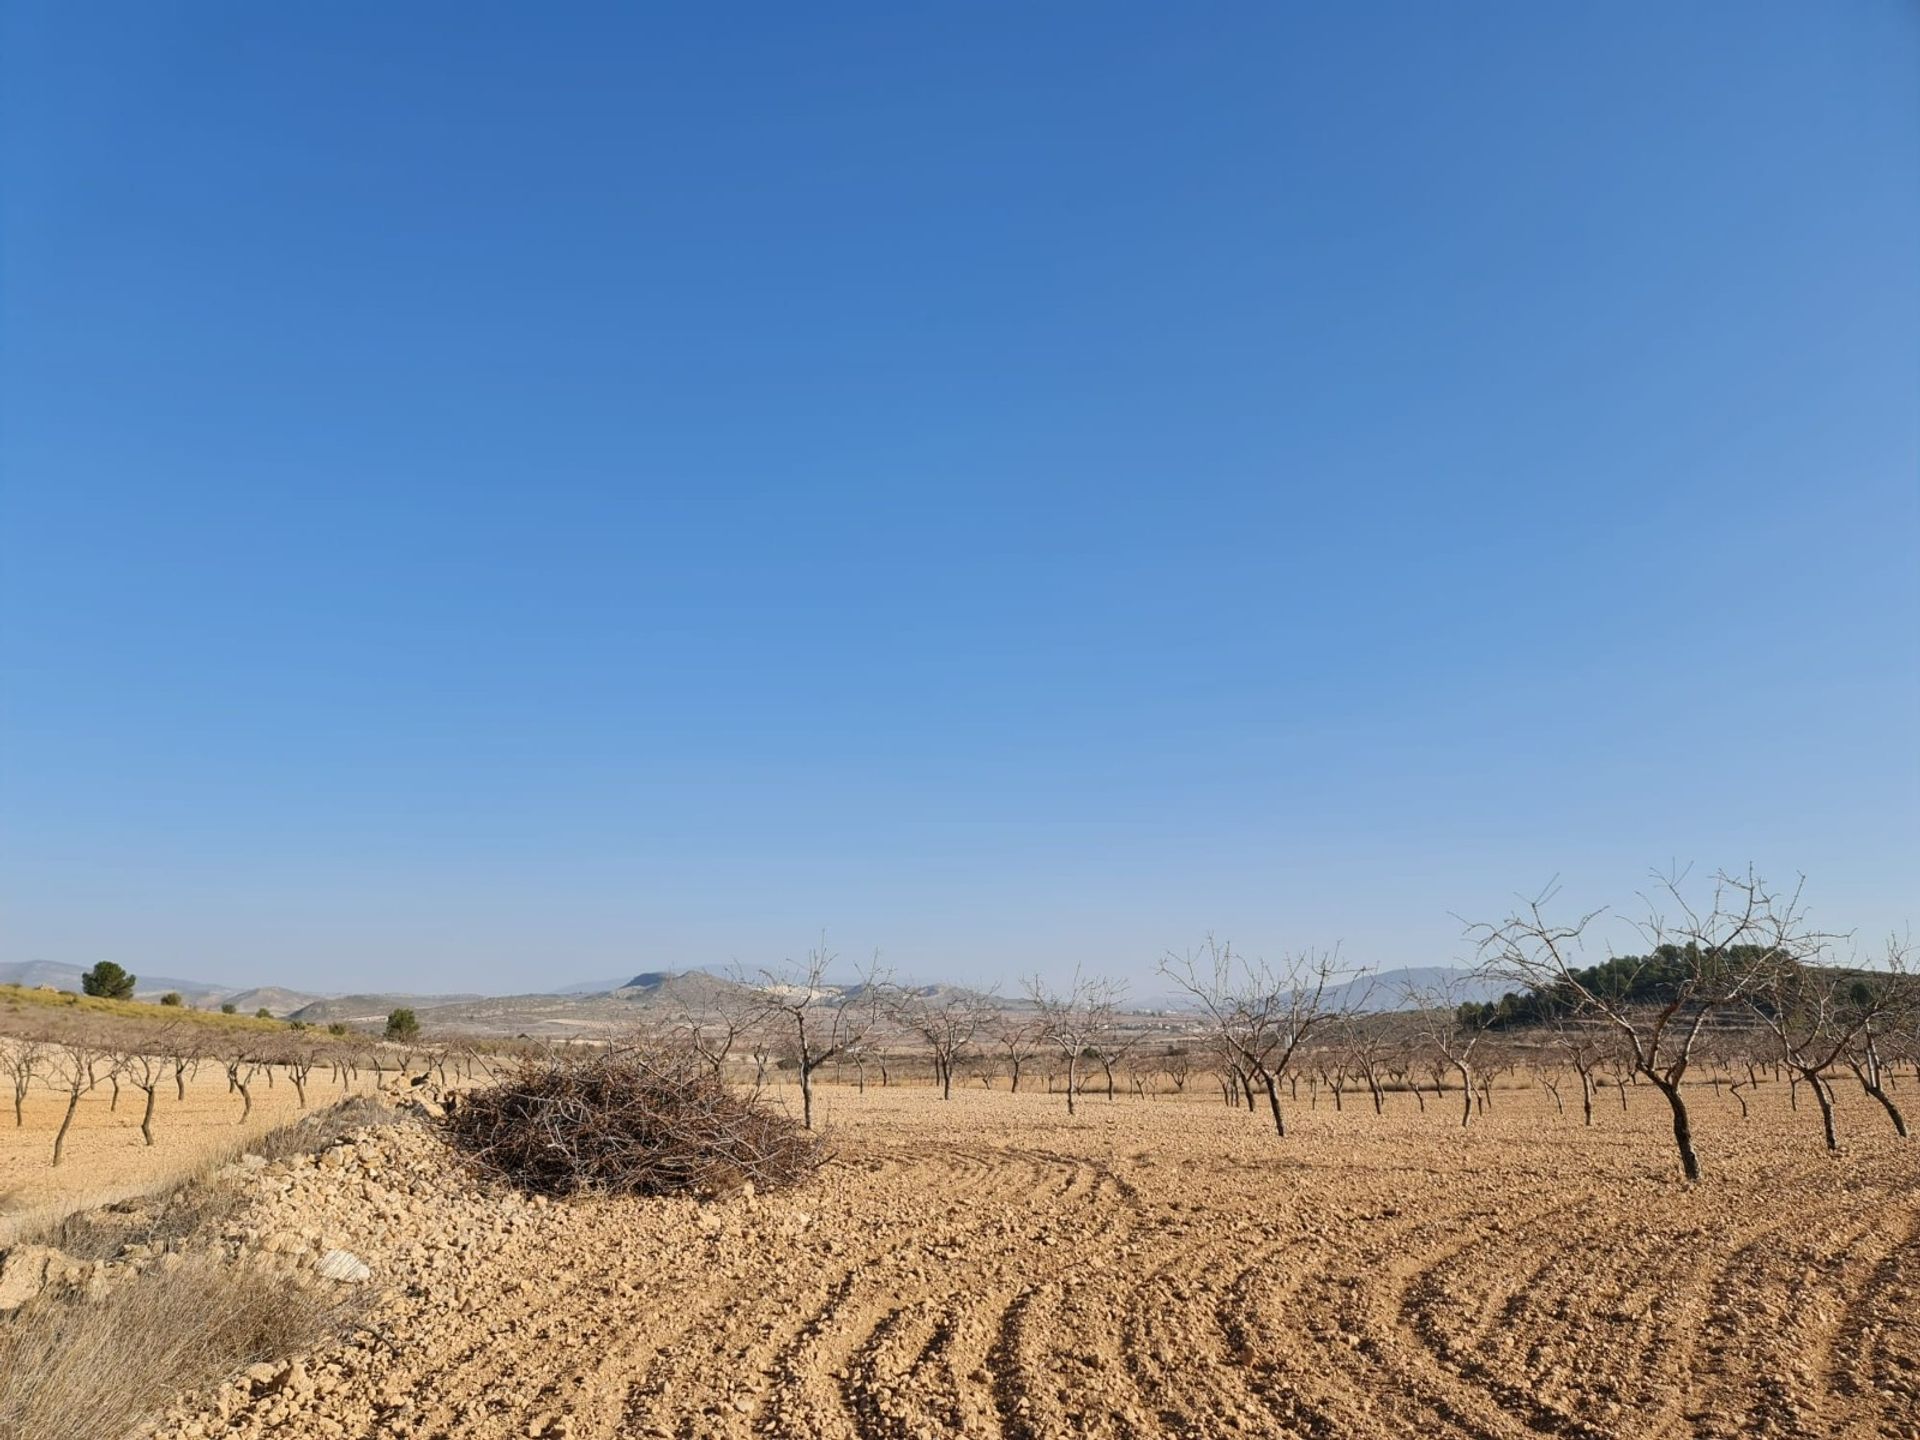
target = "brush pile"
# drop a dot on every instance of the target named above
(633, 1120)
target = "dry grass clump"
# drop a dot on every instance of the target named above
(639, 1120)
(78, 1369)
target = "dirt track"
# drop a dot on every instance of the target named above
(989, 1268)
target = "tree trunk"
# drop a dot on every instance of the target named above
(299, 1087)
(806, 1096)
(1072, 1068)
(1016, 1077)
(1682, 1127)
(1107, 1066)
(246, 1099)
(1886, 1103)
(946, 1080)
(1586, 1096)
(146, 1120)
(1273, 1099)
(60, 1139)
(1466, 1093)
(1820, 1093)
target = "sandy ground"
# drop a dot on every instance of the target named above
(988, 1267)
(105, 1157)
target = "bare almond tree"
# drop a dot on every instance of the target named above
(184, 1056)
(147, 1068)
(820, 1020)
(1073, 1019)
(1016, 1037)
(75, 1067)
(946, 1022)
(715, 1029)
(1700, 956)
(1583, 1049)
(1367, 1044)
(21, 1060)
(1900, 989)
(241, 1066)
(1817, 1014)
(1453, 1030)
(1260, 1014)
(298, 1060)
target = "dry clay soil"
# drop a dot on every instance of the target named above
(990, 1267)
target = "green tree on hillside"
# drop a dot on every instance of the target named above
(403, 1024)
(229, 1009)
(172, 997)
(108, 981)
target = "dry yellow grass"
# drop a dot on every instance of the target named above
(20, 999)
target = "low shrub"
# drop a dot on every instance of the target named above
(634, 1120)
(94, 1369)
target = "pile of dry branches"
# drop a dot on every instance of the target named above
(637, 1120)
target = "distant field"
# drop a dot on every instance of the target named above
(105, 1158)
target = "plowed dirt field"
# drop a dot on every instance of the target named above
(989, 1267)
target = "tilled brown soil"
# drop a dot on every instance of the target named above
(988, 1267)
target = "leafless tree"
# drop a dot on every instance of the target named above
(1259, 1013)
(1016, 1037)
(1072, 1020)
(22, 1060)
(717, 1028)
(1367, 1044)
(1705, 955)
(1818, 1013)
(241, 1065)
(946, 1022)
(1893, 1000)
(1583, 1049)
(1453, 1033)
(75, 1067)
(147, 1068)
(184, 1055)
(298, 1060)
(820, 1020)
(1111, 1046)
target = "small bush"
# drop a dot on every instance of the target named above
(229, 1008)
(403, 1024)
(173, 998)
(629, 1121)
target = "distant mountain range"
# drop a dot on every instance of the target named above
(591, 1007)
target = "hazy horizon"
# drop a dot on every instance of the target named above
(491, 499)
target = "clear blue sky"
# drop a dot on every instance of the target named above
(499, 495)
